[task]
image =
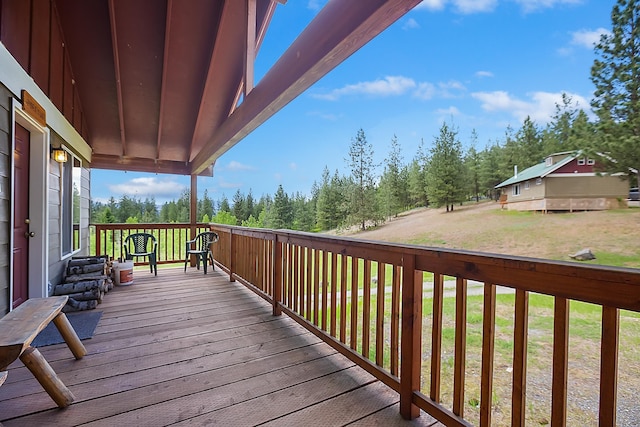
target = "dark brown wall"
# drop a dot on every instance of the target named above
(31, 31)
(5, 206)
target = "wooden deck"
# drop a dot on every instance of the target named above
(189, 349)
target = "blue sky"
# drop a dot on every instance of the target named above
(479, 64)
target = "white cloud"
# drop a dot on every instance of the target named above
(148, 187)
(316, 4)
(467, 7)
(431, 4)
(389, 86)
(483, 74)
(540, 107)
(449, 89)
(293, 166)
(396, 86)
(425, 91)
(588, 38)
(534, 5)
(237, 166)
(411, 24)
(461, 6)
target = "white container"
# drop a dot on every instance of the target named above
(123, 273)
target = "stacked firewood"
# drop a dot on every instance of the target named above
(86, 281)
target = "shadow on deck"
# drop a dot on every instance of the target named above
(185, 348)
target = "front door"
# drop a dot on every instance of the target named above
(21, 217)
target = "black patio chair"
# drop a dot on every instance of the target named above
(142, 245)
(201, 248)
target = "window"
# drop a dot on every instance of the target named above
(581, 161)
(516, 189)
(70, 201)
(591, 162)
(538, 181)
(548, 161)
(526, 185)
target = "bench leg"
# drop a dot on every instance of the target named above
(70, 337)
(46, 376)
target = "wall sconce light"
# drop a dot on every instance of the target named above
(59, 155)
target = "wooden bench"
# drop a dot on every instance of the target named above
(21, 326)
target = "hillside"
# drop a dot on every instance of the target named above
(484, 227)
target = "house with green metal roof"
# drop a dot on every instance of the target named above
(566, 181)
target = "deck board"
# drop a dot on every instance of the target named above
(185, 348)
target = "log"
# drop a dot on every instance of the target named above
(83, 277)
(75, 287)
(87, 260)
(84, 269)
(46, 376)
(73, 305)
(92, 294)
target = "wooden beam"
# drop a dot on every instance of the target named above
(312, 55)
(250, 46)
(116, 63)
(101, 161)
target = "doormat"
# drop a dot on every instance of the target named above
(84, 323)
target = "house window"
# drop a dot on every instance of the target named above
(526, 185)
(516, 189)
(591, 162)
(70, 205)
(581, 161)
(548, 161)
(538, 181)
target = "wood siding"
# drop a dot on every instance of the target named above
(586, 186)
(31, 31)
(5, 193)
(56, 265)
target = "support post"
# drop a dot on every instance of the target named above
(410, 339)
(193, 213)
(277, 275)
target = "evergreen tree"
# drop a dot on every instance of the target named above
(205, 207)
(238, 207)
(557, 136)
(472, 166)
(282, 213)
(530, 144)
(445, 173)
(616, 76)
(363, 199)
(224, 204)
(417, 178)
(393, 184)
(249, 206)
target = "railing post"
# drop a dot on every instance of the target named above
(609, 365)
(410, 354)
(277, 275)
(519, 383)
(231, 256)
(98, 240)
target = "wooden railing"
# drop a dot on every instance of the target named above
(106, 239)
(367, 299)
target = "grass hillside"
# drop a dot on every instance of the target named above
(611, 235)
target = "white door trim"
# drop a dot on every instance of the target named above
(38, 203)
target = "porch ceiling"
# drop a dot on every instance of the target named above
(160, 80)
